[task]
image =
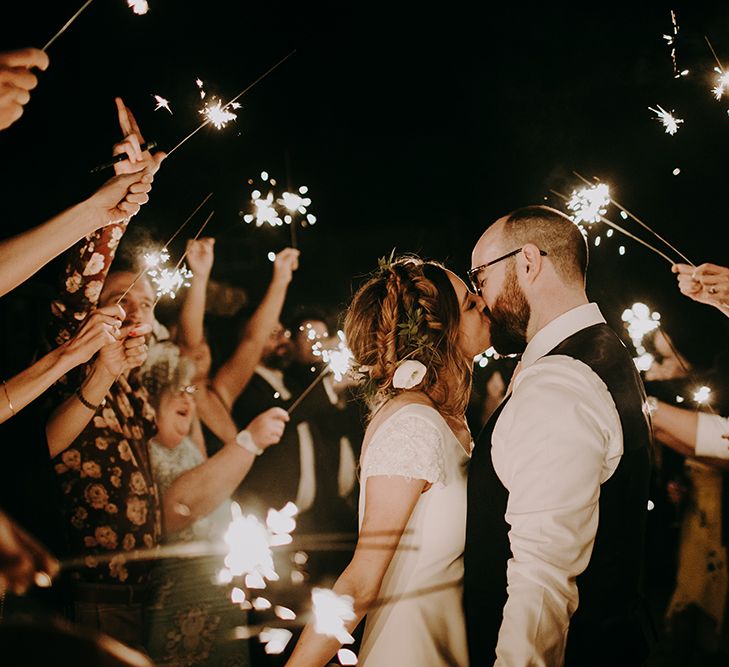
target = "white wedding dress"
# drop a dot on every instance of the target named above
(419, 619)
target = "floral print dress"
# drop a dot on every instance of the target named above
(109, 498)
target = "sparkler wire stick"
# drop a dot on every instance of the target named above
(638, 220)
(146, 146)
(620, 229)
(172, 238)
(308, 390)
(711, 48)
(237, 97)
(67, 24)
(182, 259)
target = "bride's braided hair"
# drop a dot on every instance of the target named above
(408, 309)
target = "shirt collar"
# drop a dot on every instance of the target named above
(552, 334)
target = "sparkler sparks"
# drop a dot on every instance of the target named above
(639, 322)
(154, 260)
(331, 612)
(265, 211)
(482, 359)
(669, 121)
(722, 83)
(275, 639)
(218, 115)
(139, 7)
(589, 204)
(162, 103)
(346, 657)
(702, 395)
(671, 41)
(168, 281)
(339, 358)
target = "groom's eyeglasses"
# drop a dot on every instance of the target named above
(473, 274)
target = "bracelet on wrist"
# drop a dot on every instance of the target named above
(245, 440)
(86, 403)
(651, 403)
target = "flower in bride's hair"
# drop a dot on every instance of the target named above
(408, 374)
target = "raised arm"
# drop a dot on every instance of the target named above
(200, 257)
(98, 330)
(235, 373)
(125, 350)
(22, 255)
(205, 487)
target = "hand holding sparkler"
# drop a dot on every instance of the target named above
(137, 159)
(100, 328)
(200, 256)
(267, 428)
(707, 283)
(119, 198)
(16, 82)
(286, 262)
(129, 351)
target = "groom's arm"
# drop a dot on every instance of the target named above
(551, 451)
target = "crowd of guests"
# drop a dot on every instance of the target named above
(135, 440)
(130, 437)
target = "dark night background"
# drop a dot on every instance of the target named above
(413, 127)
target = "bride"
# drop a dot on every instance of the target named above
(415, 327)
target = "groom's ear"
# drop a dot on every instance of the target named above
(533, 257)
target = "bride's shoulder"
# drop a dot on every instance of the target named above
(402, 408)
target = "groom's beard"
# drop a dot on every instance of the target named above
(510, 317)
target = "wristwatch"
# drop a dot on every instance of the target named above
(245, 440)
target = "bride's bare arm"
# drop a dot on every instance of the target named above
(390, 502)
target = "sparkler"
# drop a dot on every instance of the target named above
(702, 395)
(235, 99)
(67, 24)
(589, 204)
(669, 121)
(331, 612)
(640, 321)
(671, 40)
(722, 81)
(146, 146)
(162, 103)
(218, 115)
(620, 229)
(346, 657)
(275, 639)
(139, 7)
(164, 248)
(168, 281)
(625, 214)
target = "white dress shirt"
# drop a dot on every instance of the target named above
(557, 440)
(709, 432)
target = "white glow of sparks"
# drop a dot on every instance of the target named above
(346, 657)
(482, 359)
(219, 115)
(621, 250)
(702, 394)
(640, 321)
(261, 604)
(722, 83)
(676, 171)
(284, 613)
(281, 523)
(331, 612)
(339, 358)
(200, 85)
(167, 281)
(265, 211)
(292, 202)
(651, 505)
(275, 639)
(271, 256)
(237, 595)
(669, 121)
(644, 361)
(249, 550)
(139, 7)
(154, 260)
(162, 103)
(679, 399)
(589, 204)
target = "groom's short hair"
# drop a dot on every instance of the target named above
(552, 231)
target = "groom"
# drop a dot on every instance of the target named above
(558, 484)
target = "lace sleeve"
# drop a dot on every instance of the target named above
(409, 446)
